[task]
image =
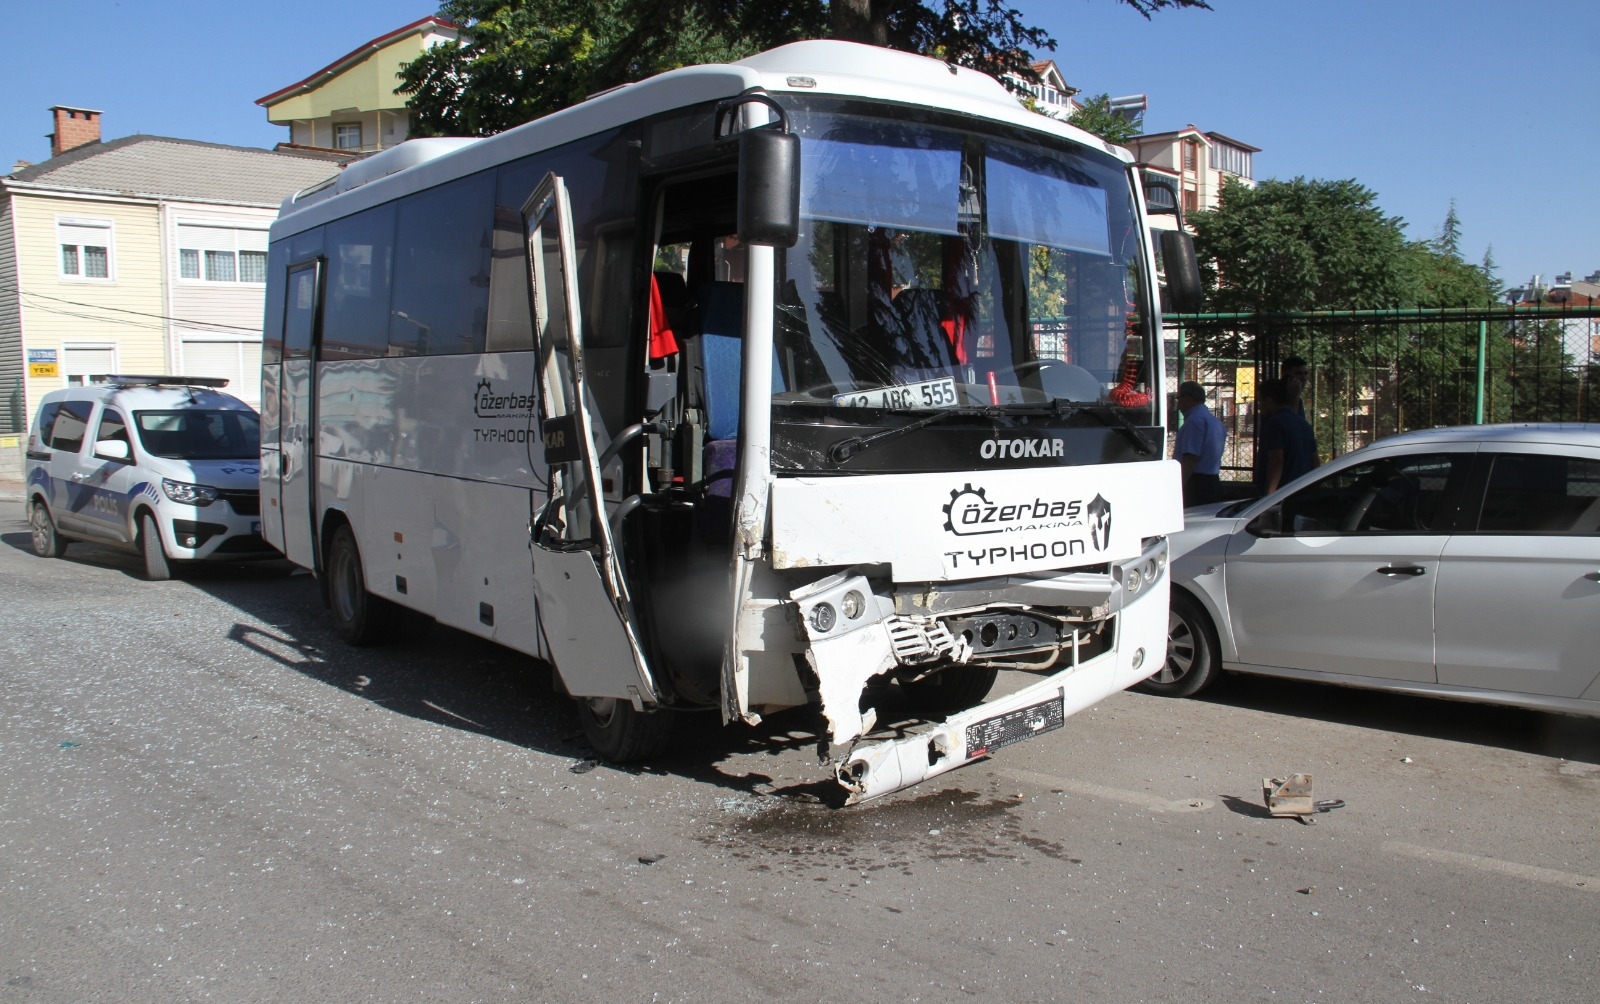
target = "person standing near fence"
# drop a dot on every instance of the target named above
(1285, 445)
(1296, 373)
(1198, 449)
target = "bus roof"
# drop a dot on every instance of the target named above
(813, 67)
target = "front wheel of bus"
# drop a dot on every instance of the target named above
(360, 617)
(950, 690)
(619, 733)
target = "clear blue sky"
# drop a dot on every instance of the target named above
(1489, 103)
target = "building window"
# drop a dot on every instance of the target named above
(1191, 155)
(85, 248)
(221, 254)
(347, 136)
(1231, 159)
(1191, 200)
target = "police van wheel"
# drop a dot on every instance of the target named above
(955, 688)
(46, 542)
(156, 566)
(360, 617)
(622, 735)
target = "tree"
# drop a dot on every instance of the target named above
(1299, 245)
(1095, 115)
(1448, 241)
(521, 59)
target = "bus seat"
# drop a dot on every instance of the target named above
(924, 317)
(720, 329)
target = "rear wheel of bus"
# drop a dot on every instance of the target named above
(360, 617)
(622, 735)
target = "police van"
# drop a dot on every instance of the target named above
(165, 466)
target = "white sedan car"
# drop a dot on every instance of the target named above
(1459, 563)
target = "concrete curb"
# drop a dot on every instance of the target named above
(12, 491)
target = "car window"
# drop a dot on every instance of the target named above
(1540, 493)
(194, 434)
(66, 433)
(112, 427)
(47, 418)
(1404, 494)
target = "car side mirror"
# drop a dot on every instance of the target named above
(1268, 524)
(112, 449)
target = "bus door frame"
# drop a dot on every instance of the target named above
(585, 613)
(298, 424)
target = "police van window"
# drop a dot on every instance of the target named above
(70, 424)
(112, 428)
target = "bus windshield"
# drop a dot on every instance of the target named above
(940, 267)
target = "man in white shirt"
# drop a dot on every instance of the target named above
(1199, 446)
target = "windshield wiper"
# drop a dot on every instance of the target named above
(1114, 419)
(846, 448)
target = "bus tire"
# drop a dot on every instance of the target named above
(622, 735)
(1191, 664)
(952, 689)
(156, 566)
(360, 617)
(47, 543)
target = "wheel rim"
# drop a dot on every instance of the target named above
(39, 522)
(1180, 650)
(344, 585)
(602, 710)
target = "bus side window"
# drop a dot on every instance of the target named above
(510, 327)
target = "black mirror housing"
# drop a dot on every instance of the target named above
(769, 187)
(1183, 272)
(1268, 524)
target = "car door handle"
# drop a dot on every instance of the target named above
(1402, 570)
(80, 477)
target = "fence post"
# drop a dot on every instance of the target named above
(1483, 344)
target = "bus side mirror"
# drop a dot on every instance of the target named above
(769, 187)
(1183, 272)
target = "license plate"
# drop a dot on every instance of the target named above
(255, 527)
(1015, 726)
(932, 394)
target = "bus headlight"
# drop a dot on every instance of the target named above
(852, 604)
(824, 617)
(179, 491)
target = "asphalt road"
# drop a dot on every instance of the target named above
(205, 796)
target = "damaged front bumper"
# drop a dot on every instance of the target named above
(854, 634)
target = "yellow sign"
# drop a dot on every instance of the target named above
(1244, 383)
(10, 442)
(44, 369)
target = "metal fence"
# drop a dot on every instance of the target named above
(1378, 372)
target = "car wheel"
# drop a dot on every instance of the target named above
(1192, 661)
(360, 617)
(952, 689)
(156, 566)
(622, 735)
(46, 542)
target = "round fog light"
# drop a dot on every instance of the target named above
(1135, 580)
(823, 617)
(189, 541)
(852, 604)
(1138, 658)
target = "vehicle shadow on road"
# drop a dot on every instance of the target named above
(460, 681)
(1569, 737)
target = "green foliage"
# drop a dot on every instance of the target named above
(1095, 115)
(520, 59)
(1299, 245)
